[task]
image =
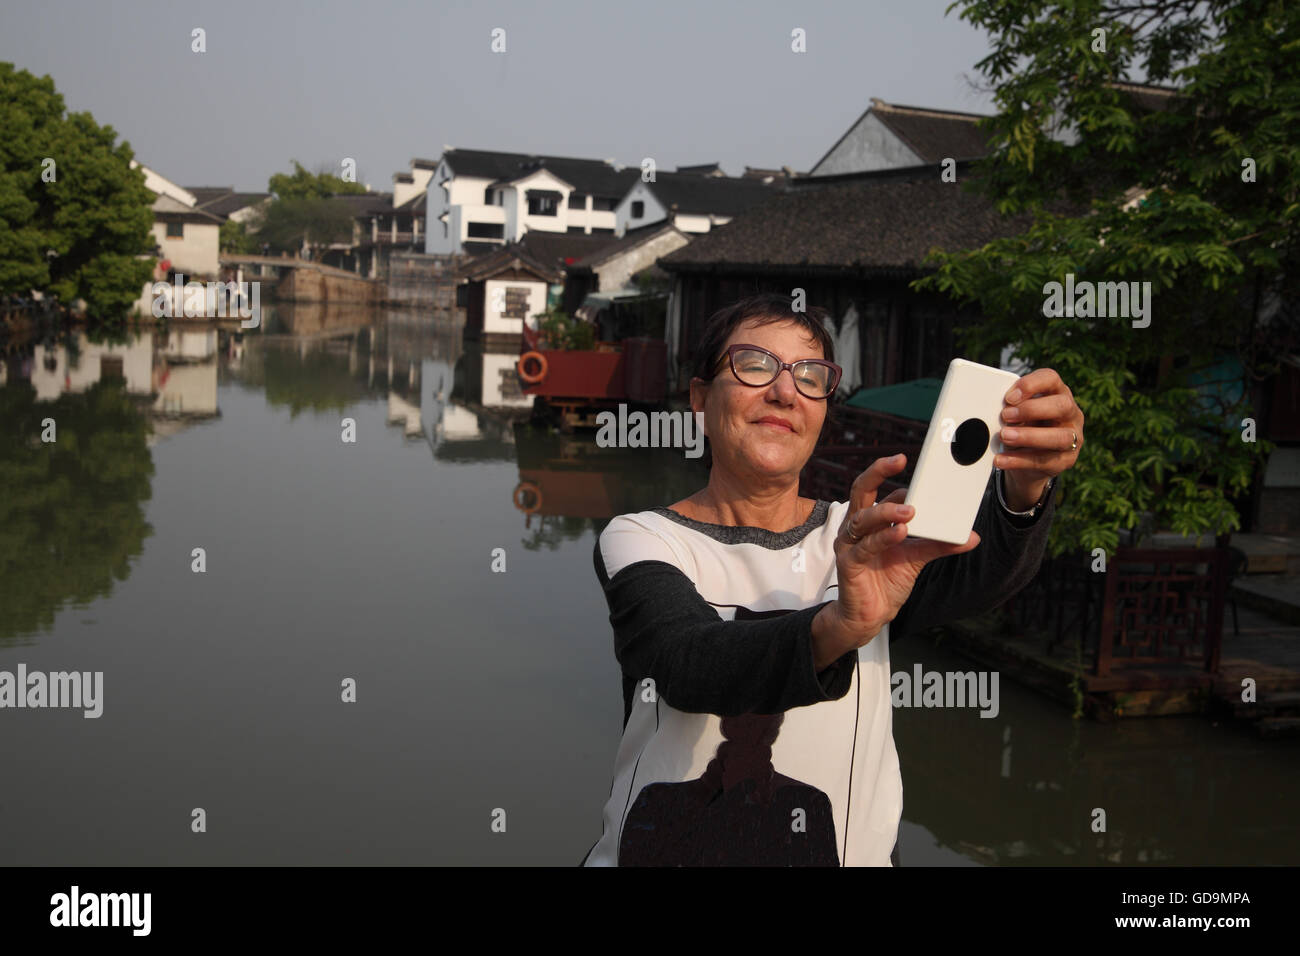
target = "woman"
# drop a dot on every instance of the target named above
(753, 625)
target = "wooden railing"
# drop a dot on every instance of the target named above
(1149, 608)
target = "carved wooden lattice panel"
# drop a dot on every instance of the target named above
(1162, 614)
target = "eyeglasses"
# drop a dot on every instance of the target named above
(756, 367)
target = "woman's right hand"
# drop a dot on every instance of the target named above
(876, 571)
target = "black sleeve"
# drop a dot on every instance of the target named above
(1006, 559)
(664, 630)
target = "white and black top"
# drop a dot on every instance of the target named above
(734, 750)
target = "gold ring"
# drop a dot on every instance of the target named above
(1075, 434)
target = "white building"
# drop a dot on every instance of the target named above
(187, 237)
(478, 199)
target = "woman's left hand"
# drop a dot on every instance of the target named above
(1042, 435)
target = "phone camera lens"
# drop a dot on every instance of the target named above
(970, 441)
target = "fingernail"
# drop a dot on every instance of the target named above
(1013, 396)
(1010, 414)
(1010, 434)
(906, 511)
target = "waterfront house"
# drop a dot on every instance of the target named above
(850, 241)
(187, 236)
(502, 290)
(479, 199)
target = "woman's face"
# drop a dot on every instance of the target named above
(747, 447)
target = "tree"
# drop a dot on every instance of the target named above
(1193, 189)
(305, 185)
(289, 224)
(305, 212)
(75, 218)
(234, 237)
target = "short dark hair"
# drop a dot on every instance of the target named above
(766, 308)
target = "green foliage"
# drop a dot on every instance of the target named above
(306, 185)
(286, 224)
(235, 238)
(83, 234)
(561, 331)
(1069, 148)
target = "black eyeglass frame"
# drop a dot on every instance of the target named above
(729, 356)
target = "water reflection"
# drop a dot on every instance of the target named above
(71, 509)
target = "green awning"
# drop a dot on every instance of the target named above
(915, 399)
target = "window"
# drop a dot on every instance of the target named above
(577, 200)
(487, 196)
(485, 230)
(638, 209)
(602, 232)
(576, 230)
(175, 230)
(462, 296)
(605, 203)
(542, 203)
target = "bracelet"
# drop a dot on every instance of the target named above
(1032, 512)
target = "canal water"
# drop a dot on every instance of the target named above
(481, 696)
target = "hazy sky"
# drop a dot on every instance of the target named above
(387, 80)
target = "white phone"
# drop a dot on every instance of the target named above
(956, 459)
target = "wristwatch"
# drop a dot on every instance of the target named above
(1038, 505)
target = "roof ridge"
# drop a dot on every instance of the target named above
(879, 104)
(502, 152)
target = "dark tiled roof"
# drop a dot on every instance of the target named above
(507, 257)
(593, 176)
(934, 135)
(693, 193)
(702, 169)
(873, 225)
(166, 208)
(403, 177)
(630, 240)
(369, 204)
(233, 202)
(476, 247)
(424, 164)
(553, 248)
(757, 172)
(205, 194)
(415, 204)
